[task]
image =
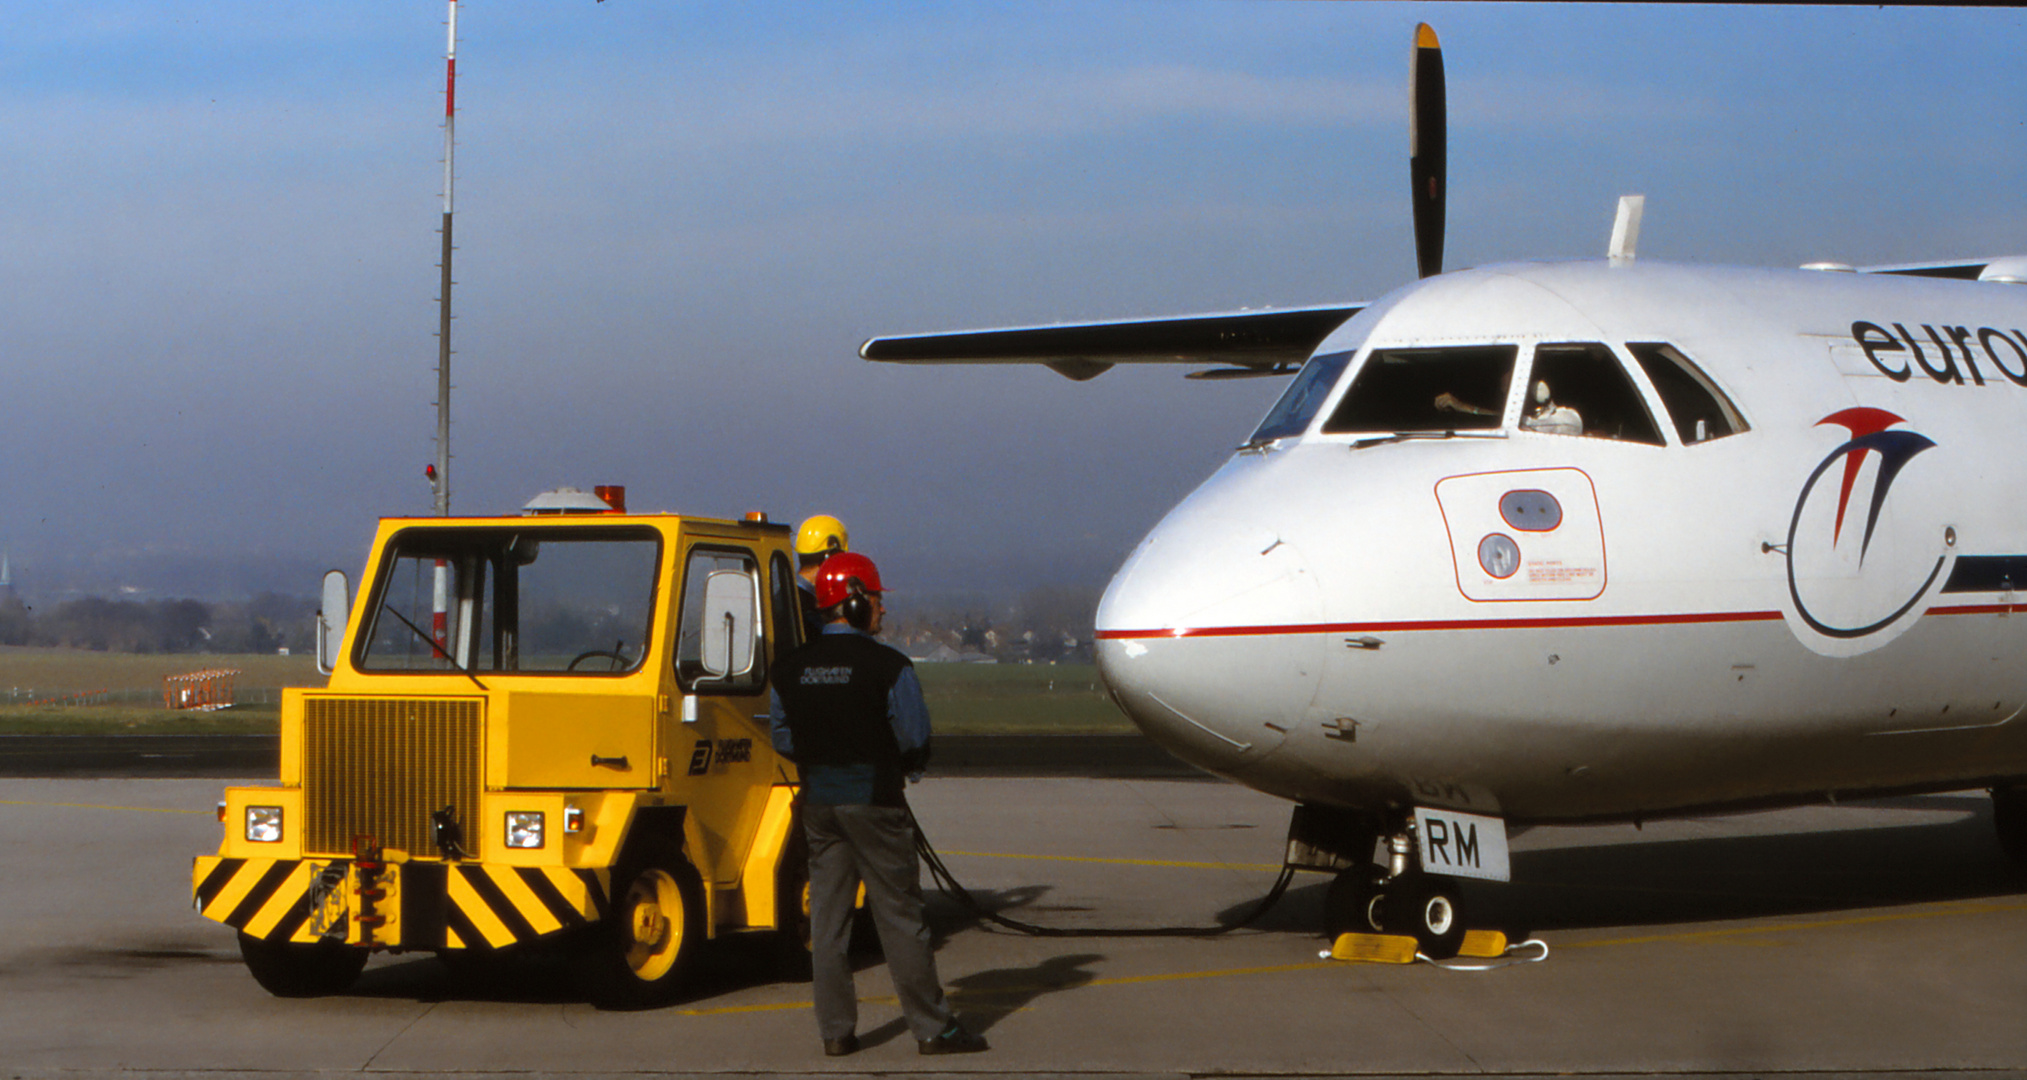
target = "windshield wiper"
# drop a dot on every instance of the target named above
(436, 648)
(1403, 436)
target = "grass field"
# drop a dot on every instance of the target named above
(71, 691)
(1000, 699)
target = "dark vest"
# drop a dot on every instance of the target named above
(812, 618)
(834, 696)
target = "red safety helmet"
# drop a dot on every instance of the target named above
(843, 574)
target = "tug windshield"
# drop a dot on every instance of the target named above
(523, 600)
(1417, 390)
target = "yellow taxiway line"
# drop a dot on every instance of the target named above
(1263, 867)
(1967, 907)
(97, 806)
(1958, 908)
(1004, 991)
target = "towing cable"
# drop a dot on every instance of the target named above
(948, 883)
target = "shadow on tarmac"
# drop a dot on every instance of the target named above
(1677, 881)
(1581, 886)
(984, 998)
(1740, 877)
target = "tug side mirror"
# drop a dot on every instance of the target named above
(331, 620)
(730, 601)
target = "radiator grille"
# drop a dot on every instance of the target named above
(379, 766)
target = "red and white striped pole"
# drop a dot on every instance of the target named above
(440, 478)
(441, 481)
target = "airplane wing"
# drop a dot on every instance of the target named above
(2005, 268)
(1271, 342)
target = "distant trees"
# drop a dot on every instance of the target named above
(1045, 624)
(16, 623)
(266, 623)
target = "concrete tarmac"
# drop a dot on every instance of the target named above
(1875, 938)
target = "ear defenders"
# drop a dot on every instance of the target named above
(858, 608)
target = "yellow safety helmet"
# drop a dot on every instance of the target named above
(821, 534)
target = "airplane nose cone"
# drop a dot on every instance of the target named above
(1201, 637)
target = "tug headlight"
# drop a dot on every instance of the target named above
(264, 824)
(525, 829)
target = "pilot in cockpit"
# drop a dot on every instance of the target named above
(1449, 402)
(1548, 417)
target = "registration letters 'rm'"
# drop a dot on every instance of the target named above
(1462, 845)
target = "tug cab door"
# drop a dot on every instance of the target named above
(719, 751)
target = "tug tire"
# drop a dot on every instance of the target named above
(639, 955)
(293, 970)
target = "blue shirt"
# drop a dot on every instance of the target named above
(853, 785)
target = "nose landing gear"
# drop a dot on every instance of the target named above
(1423, 906)
(1397, 898)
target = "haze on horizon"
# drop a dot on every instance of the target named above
(676, 223)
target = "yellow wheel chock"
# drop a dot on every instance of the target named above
(1400, 948)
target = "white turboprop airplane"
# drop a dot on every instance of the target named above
(1581, 542)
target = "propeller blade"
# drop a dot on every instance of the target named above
(1427, 140)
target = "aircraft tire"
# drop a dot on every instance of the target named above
(1351, 905)
(2009, 820)
(1429, 910)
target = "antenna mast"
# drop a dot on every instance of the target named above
(439, 479)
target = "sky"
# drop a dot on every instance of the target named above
(676, 223)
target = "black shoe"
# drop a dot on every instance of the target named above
(840, 1047)
(954, 1040)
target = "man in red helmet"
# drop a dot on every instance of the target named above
(849, 712)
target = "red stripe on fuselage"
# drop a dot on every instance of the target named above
(1979, 609)
(1506, 624)
(1445, 624)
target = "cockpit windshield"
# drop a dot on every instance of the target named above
(1303, 399)
(1446, 389)
(533, 600)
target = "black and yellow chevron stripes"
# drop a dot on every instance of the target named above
(442, 905)
(495, 906)
(267, 898)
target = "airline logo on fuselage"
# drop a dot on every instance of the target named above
(1849, 582)
(1900, 353)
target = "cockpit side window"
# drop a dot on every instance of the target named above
(1582, 389)
(1700, 410)
(1302, 400)
(1448, 389)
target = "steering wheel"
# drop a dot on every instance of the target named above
(618, 659)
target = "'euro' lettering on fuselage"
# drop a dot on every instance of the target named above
(1935, 350)
(827, 676)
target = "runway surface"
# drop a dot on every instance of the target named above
(1876, 938)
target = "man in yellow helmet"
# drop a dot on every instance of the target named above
(820, 537)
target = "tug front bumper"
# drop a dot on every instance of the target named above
(392, 902)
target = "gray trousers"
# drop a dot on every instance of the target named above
(876, 845)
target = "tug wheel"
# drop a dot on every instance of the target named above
(640, 953)
(294, 970)
(791, 908)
